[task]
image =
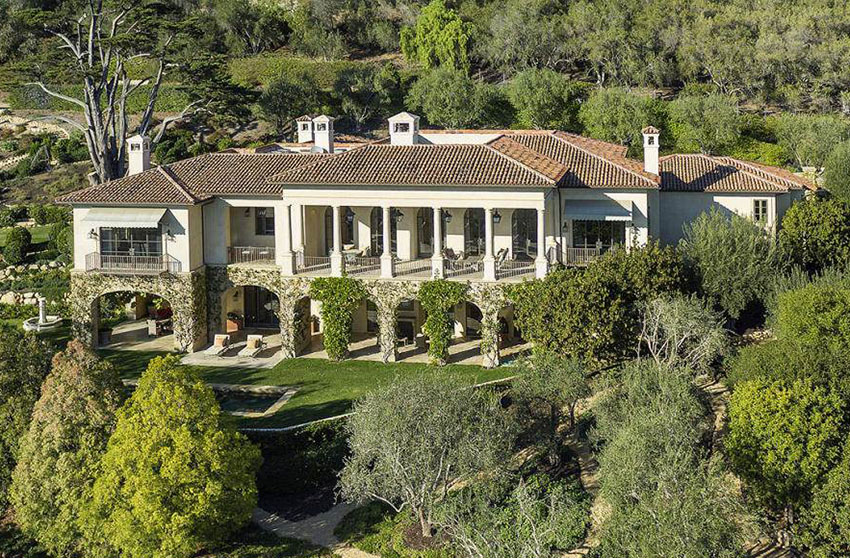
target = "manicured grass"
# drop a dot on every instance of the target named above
(325, 388)
(59, 336)
(253, 542)
(40, 233)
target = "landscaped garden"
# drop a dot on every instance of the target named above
(325, 388)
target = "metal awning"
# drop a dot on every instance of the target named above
(130, 217)
(597, 210)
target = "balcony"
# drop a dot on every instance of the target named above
(130, 264)
(250, 254)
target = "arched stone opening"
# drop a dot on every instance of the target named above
(130, 320)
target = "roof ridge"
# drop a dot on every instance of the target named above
(174, 179)
(759, 169)
(656, 181)
(276, 178)
(505, 137)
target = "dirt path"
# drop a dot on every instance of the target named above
(318, 529)
(590, 482)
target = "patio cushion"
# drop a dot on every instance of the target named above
(253, 342)
(220, 340)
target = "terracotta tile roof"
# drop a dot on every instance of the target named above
(153, 186)
(417, 165)
(532, 159)
(589, 163)
(191, 180)
(702, 173)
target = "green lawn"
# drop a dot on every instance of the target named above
(325, 388)
(40, 233)
(60, 336)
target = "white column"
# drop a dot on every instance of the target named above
(541, 264)
(437, 257)
(387, 255)
(336, 252)
(283, 238)
(489, 260)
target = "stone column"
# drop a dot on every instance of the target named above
(489, 260)
(286, 315)
(541, 264)
(437, 261)
(387, 255)
(490, 338)
(337, 265)
(387, 338)
(283, 254)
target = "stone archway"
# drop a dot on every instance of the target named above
(185, 292)
(289, 292)
(490, 299)
(387, 296)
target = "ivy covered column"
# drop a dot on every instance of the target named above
(387, 297)
(290, 294)
(490, 299)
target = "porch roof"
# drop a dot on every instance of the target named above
(129, 217)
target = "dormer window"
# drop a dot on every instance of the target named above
(321, 126)
(401, 127)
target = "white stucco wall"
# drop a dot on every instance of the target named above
(636, 201)
(680, 208)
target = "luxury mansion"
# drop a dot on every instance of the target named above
(233, 239)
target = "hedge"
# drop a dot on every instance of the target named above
(339, 296)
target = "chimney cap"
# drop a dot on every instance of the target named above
(304, 118)
(324, 118)
(403, 116)
(650, 130)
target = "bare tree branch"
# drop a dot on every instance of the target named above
(58, 95)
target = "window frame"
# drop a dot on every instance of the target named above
(765, 218)
(263, 223)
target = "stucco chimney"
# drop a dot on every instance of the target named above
(138, 154)
(323, 133)
(650, 149)
(404, 129)
(305, 128)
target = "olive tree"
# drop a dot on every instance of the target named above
(412, 439)
(549, 385)
(176, 476)
(734, 259)
(679, 330)
(60, 454)
(815, 233)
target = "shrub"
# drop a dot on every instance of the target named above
(734, 259)
(616, 115)
(836, 176)
(452, 99)
(61, 451)
(61, 239)
(815, 316)
(774, 444)
(26, 362)
(340, 297)
(176, 476)
(545, 99)
(45, 214)
(438, 297)
(825, 523)
(710, 123)
(17, 245)
(815, 233)
(594, 313)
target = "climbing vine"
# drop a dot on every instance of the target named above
(438, 297)
(339, 296)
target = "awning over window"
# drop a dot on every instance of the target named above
(129, 217)
(596, 210)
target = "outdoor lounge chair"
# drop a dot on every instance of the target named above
(220, 345)
(253, 346)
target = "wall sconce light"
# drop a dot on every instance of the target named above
(565, 226)
(92, 234)
(168, 234)
(261, 212)
(447, 216)
(247, 212)
(349, 215)
(397, 215)
(497, 217)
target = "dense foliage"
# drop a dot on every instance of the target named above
(176, 476)
(815, 233)
(734, 259)
(411, 439)
(438, 298)
(340, 297)
(24, 363)
(17, 245)
(594, 313)
(60, 454)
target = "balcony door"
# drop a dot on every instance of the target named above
(473, 231)
(605, 234)
(260, 307)
(376, 227)
(524, 234)
(130, 241)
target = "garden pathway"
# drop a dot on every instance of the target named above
(318, 529)
(589, 481)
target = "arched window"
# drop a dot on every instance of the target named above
(473, 231)
(524, 233)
